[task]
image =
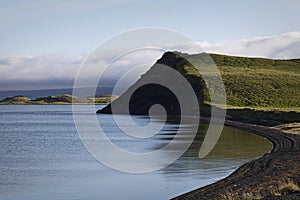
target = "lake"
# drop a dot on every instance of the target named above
(42, 157)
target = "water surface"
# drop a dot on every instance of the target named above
(42, 157)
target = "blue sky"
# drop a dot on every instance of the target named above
(43, 43)
(75, 27)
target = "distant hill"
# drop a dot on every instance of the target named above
(51, 92)
(35, 93)
(58, 99)
(65, 98)
(19, 99)
(249, 82)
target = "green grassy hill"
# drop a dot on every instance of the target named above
(268, 88)
(260, 82)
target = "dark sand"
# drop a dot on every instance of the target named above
(258, 177)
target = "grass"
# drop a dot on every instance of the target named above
(256, 88)
(268, 114)
(291, 65)
(254, 82)
(283, 188)
(230, 195)
(261, 87)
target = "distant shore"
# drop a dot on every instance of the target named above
(57, 100)
(260, 178)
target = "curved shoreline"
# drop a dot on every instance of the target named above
(258, 176)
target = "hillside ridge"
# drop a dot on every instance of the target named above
(249, 82)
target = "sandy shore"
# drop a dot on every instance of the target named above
(257, 178)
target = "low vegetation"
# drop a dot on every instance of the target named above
(260, 83)
(285, 188)
(256, 88)
(257, 83)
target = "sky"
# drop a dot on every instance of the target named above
(43, 43)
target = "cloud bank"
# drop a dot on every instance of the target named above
(29, 72)
(284, 46)
(52, 71)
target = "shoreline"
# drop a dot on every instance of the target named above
(257, 177)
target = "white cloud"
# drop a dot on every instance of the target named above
(35, 68)
(27, 68)
(284, 46)
(21, 70)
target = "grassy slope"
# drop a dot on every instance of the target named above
(261, 87)
(259, 82)
(258, 88)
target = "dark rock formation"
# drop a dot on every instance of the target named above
(147, 92)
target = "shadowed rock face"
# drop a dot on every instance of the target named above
(144, 97)
(147, 92)
(155, 94)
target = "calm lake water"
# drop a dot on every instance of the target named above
(42, 157)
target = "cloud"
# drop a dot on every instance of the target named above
(49, 71)
(52, 71)
(33, 68)
(284, 46)
(17, 72)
